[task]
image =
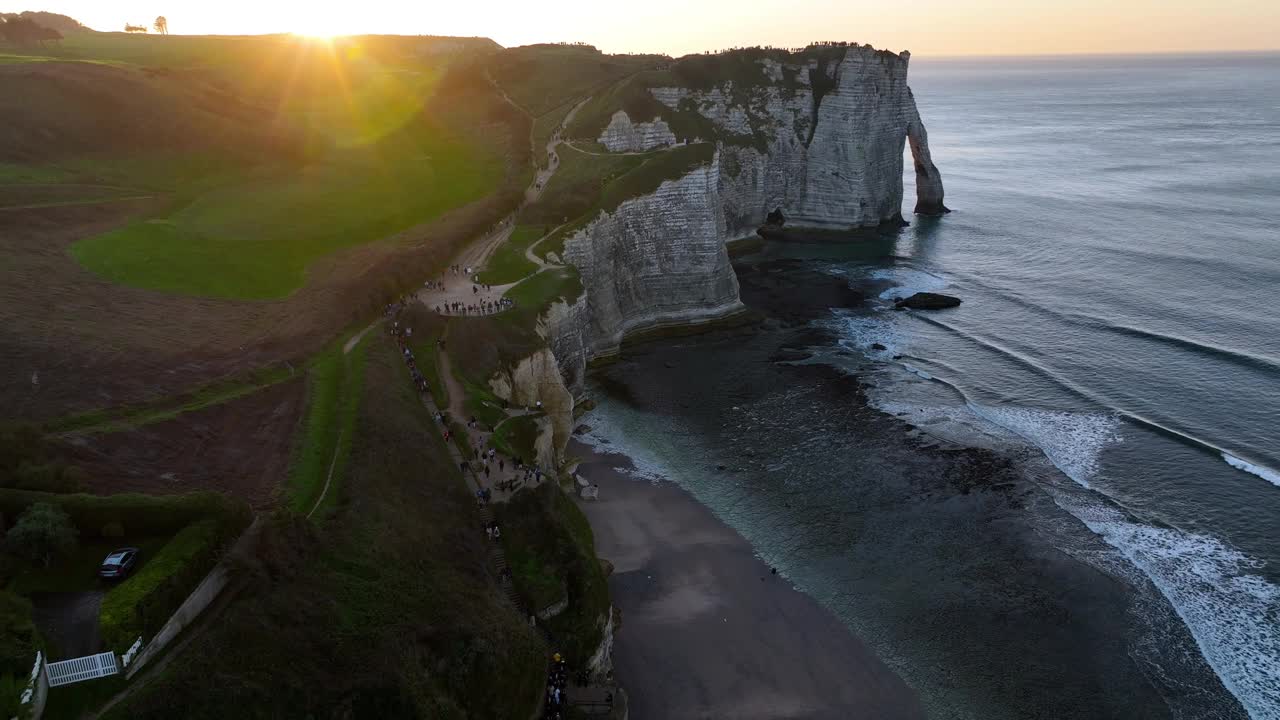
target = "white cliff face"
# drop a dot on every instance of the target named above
(833, 163)
(535, 379)
(623, 135)
(820, 141)
(657, 260)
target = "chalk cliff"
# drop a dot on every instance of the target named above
(656, 260)
(818, 135)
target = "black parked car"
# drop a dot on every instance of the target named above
(119, 564)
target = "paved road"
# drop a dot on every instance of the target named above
(69, 620)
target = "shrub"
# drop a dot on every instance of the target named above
(18, 638)
(41, 533)
(113, 530)
(143, 603)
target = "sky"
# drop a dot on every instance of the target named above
(676, 27)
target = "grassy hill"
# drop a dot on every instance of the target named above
(193, 227)
(391, 612)
(279, 155)
(231, 201)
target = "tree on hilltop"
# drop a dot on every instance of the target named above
(23, 31)
(162, 25)
(135, 28)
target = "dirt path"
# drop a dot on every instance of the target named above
(457, 286)
(355, 339)
(71, 203)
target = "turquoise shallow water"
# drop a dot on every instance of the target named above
(1116, 241)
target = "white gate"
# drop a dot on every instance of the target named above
(65, 672)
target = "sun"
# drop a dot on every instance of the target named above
(319, 28)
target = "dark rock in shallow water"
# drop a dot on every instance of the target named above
(790, 355)
(928, 301)
(878, 346)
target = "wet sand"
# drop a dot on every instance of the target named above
(707, 631)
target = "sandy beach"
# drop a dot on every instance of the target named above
(707, 631)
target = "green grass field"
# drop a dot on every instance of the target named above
(255, 239)
(334, 385)
(577, 185)
(509, 263)
(274, 153)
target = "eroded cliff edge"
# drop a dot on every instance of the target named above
(816, 136)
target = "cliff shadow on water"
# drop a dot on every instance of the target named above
(945, 559)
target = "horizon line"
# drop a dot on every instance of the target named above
(914, 53)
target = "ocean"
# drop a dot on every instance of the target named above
(1061, 499)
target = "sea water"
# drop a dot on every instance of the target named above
(1116, 243)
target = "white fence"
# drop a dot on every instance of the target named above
(88, 667)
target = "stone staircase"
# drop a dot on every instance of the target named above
(500, 564)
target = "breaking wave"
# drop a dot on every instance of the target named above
(1229, 609)
(1265, 473)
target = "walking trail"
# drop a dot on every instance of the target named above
(458, 286)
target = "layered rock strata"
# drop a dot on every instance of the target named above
(623, 135)
(817, 139)
(654, 261)
(822, 141)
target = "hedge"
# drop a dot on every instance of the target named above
(141, 605)
(201, 525)
(139, 515)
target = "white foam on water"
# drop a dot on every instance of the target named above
(1265, 473)
(610, 434)
(1230, 610)
(908, 282)
(1072, 441)
(917, 371)
(861, 332)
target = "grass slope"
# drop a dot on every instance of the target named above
(390, 613)
(323, 445)
(542, 78)
(274, 152)
(551, 551)
(577, 185)
(480, 347)
(509, 264)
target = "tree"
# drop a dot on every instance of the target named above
(135, 28)
(48, 34)
(41, 533)
(162, 25)
(24, 31)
